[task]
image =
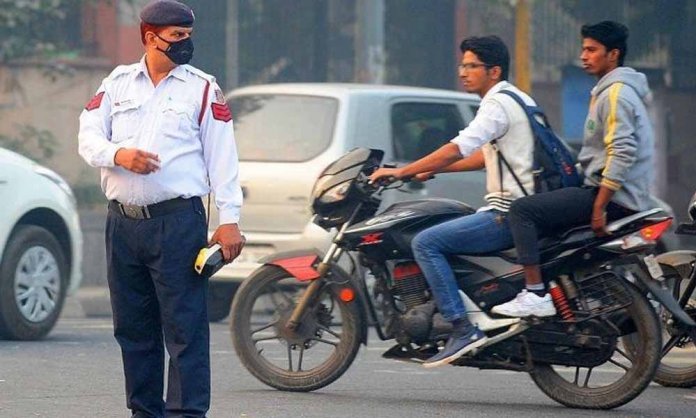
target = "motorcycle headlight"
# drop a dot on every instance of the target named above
(336, 193)
(57, 180)
(692, 208)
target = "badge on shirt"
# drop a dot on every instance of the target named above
(95, 102)
(221, 112)
(219, 97)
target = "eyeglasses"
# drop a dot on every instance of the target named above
(472, 66)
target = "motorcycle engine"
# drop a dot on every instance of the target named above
(409, 284)
(419, 320)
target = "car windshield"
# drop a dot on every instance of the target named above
(287, 128)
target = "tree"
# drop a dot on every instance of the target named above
(33, 28)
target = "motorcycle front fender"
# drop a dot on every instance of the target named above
(680, 261)
(301, 264)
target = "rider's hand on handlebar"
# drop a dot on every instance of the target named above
(422, 177)
(385, 175)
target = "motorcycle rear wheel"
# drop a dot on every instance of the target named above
(327, 340)
(638, 362)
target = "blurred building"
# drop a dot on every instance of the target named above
(410, 42)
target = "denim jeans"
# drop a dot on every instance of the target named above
(481, 232)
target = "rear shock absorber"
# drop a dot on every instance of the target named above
(560, 301)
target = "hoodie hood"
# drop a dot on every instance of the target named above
(629, 77)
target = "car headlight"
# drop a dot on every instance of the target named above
(57, 180)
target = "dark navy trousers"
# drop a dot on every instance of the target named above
(159, 300)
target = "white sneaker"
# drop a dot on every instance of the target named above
(527, 304)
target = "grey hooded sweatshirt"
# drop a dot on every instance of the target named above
(618, 147)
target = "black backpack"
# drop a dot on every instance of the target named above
(554, 165)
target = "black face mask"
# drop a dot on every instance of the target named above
(179, 52)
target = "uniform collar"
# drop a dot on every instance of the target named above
(178, 71)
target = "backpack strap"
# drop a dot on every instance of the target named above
(501, 161)
(531, 111)
(501, 158)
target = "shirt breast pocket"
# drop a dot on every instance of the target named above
(124, 121)
(177, 120)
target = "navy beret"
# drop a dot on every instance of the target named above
(167, 13)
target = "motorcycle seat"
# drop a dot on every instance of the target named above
(577, 235)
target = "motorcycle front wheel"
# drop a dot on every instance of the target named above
(619, 380)
(310, 357)
(678, 365)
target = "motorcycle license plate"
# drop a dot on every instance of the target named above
(653, 266)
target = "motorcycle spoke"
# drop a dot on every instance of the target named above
(617, 364)
(576, 381)
(275, 302)
(273, 337)
(287, 298)
(270, 324)
(322, 340)
(289, 357)
(624, 355)
(299, 360)
(670, 344)
(325, 328)
(587, 378)
(577, 376)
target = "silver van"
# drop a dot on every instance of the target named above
(287, 133)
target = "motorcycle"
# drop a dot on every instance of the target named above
(299, 319)
(680, 278)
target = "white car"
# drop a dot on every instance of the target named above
(40, 247)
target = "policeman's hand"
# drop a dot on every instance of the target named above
(385, 173)
(599, 223)
(137, 161)
(230, 239)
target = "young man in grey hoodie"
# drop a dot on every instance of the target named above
(616, 159)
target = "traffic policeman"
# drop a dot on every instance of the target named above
(162, 134)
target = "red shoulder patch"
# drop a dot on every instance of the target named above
(95, 102)
(221, 112)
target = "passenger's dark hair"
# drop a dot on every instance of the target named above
(612, 35)
(490, 50)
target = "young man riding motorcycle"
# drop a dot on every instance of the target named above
(484, 71)
(616, 159)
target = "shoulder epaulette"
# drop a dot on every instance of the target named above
(195, 71)
(122, 70)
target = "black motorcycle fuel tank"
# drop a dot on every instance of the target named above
(388, 235)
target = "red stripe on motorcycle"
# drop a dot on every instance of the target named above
(301, 268)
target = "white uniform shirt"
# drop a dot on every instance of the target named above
(130, 112)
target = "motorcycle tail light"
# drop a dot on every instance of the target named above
(654, 232)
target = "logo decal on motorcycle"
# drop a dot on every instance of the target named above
(370, 239)
(389, 217)
(492, 287)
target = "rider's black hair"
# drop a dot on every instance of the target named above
(612, 35)
(490, 50)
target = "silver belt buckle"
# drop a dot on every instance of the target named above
(135, 212)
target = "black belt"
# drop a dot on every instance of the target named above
(153, 210)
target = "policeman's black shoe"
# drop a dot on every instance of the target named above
(457, 346)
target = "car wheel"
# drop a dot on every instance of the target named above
(33, 282)
(220, 296)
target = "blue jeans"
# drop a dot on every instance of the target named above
(481, 232)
